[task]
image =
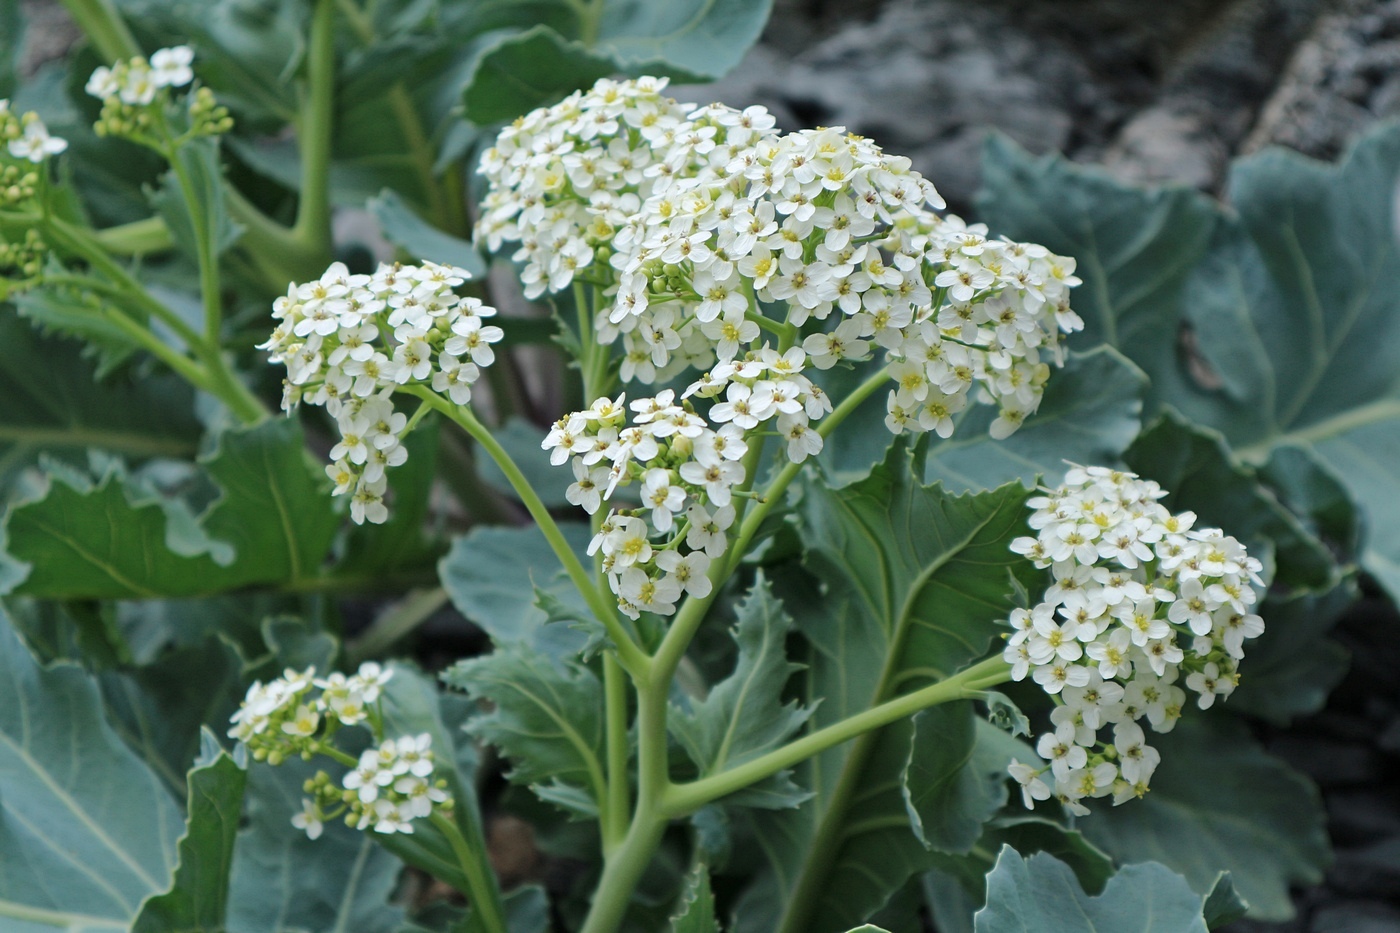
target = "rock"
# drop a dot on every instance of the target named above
(1357, 917)
(1362, 815)
(1371, 872)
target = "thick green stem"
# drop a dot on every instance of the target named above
(618, 805)
(683, 799)
(632, 657)
(104, 27)
(488, 913)
(623, 867)
(314, 130)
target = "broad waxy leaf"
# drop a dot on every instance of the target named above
(1293, 302)
(690, 40)
(159, 708)
(744, 715)
(405, 229)
(528, 70)
(1090, 414)
(1134, 248)
(1196, 468)
(697, 40)
(48, 404)
(917, 581)
(97, 543)
(75, 803)
(198, 898)
(1040, 895)
(1218, 802)
(546, 718)
(492, 574)
(1290, 669)
(282, 881)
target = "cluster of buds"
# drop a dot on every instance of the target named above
(134, 94)
(390, 787)
(23, 259)
(298, 714)
(1142, 601)
(708, 219)
(685, 469)
(348, 341)
(26, 139)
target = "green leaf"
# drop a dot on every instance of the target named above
(1041, 895)
(546, 717)
(1293, 306)
(492, 572)
(691, 40)
(1196, 467)
(1090, 414)
(1135, 248)
(528, 70)
(406, 230)
(249, 50)
(78, 806)
(1265, 825)
(65, 311)
(744, 715)
(916, 583)
(1290, 669)
(97, 542)
(521, 439)
(697, 906)
(951, 785)
(400, 543)
(1223, 904)
(283, 882)
(12, 27)
(198, 897)
(160, 708)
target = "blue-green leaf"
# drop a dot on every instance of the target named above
(545, 716)
(745, 715)
(274, 520)
(76, 805)
(198, 896)
(1040, 895)
(1265, 825)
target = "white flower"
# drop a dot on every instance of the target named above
(35, 143)
(309, 819)
(171, 67)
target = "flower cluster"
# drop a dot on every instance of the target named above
(391, 786)
(710, 220)
(349, 341)
(298, 713)
(26, 138)
(685, 468)
(134, 91)
(1140, 598)
(281, 718)
(563, 179)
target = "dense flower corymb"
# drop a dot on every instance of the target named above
(1142, 603)
(348, 341)
(704, 229)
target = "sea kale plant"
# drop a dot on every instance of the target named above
(830, 560)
